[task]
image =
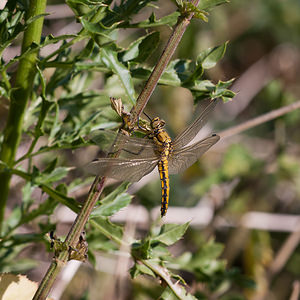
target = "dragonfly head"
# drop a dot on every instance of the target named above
(157, 123)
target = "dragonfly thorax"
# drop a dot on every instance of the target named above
(157, 123)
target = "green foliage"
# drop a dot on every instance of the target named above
(64, 109)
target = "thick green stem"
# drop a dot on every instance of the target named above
(19, 99)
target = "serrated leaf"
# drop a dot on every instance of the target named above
(110, 230)
(141, 49)
(111, 207)
(209, 57)
(222, 91)
(57, 174)
(99, 32)
(171, 233)
(110, 59)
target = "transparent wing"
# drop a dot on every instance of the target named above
(122, 169)
(183, 158)
(190, 132)
(128, 147)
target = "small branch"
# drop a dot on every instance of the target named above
(163, 274)
(281, 259)
(71, 239)
(296, 290)
(161, 65)
(285, 252)
(259, 120)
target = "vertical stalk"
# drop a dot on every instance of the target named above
(19, 99)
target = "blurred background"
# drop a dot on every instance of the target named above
(243, 193)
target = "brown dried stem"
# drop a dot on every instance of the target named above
(259, 120)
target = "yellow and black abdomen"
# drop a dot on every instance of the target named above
(164, 179)
(163, 140)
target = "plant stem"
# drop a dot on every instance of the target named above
(259, 120)
(98, 184)
(161, 65)
(71, 239)
(164, 275)
(19, 99)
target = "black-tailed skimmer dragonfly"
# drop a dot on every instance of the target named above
(139, 156)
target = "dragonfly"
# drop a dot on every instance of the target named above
(139, 156)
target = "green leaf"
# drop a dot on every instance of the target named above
(171, 233)
(141, 49)
(14, 218)
(210, 250)
(169, 20)
(209, 58)
(56, 175)
(87, 8)
(189, 7)
(56, 125)
(142, 250)
(140, 269)
(55, 194)
(51, 166)
(101, 35)
(110, 230)
(205, 261)
(61, 197)
(45, 208)
(205, 88)
(27, 191)
(113, 202)
(169, 295)
(221, 91)
(110, 59)
(119, 190)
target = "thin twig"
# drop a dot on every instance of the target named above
(259, 120)
(71, 240)
(165, 276)
(285, 252)
(281, 259)
(296, 290)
